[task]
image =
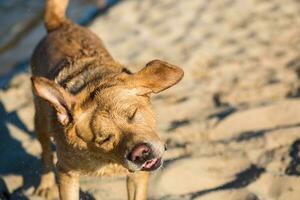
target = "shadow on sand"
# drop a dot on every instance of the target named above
(14, 158)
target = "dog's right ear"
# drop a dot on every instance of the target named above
(59, 99)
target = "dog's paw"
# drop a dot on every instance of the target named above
(47, 188)
(47, 192)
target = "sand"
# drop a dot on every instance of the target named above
(232, 125)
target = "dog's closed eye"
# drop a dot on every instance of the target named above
(102, 140)
(131, 115)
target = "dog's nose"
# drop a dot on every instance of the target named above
(140, 153)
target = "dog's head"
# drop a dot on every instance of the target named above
(116, 122)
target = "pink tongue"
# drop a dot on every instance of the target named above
(150, 163)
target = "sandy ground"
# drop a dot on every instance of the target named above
(232, 125)
(21, 28)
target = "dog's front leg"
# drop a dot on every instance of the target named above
(68, 185)
(137, 185)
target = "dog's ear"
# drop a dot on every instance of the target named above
(58, 98)
(157, 76)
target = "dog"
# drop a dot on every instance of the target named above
(98, 112)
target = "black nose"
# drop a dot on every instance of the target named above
(140, 153)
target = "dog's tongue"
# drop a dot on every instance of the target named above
(150, 163)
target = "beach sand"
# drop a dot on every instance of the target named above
(232, 125)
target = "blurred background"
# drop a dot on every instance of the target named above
(232, 125)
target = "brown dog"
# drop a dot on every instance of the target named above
(97, 111)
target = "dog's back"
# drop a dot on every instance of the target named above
(66, 42)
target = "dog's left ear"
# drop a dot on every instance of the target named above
(156, 76)
(58, 98)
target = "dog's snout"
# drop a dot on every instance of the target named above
(140, 153)
(147, 156)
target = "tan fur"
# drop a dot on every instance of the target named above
(55, 13)
(94, 108)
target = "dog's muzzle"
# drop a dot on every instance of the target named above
(145, 157)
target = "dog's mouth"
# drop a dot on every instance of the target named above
(152, 164)
(149, 165)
